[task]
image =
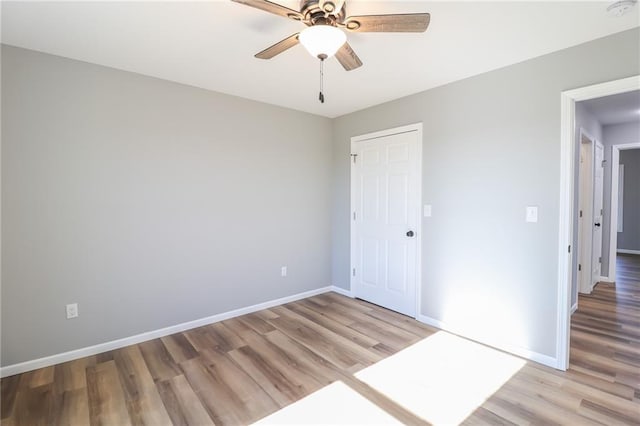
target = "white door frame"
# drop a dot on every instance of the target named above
(568, 100)
(584, 249)
(597, 278)
(416, 127)
(613, 217)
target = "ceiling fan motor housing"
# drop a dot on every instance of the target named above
(323, 12)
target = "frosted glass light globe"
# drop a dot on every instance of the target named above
(322, 41)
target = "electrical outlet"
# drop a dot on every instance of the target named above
(283, 271)
(72, 310)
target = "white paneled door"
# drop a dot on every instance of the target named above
(598, 183)
(385, 218)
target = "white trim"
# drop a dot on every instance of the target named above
(574, 307)
(620, 195)
(626, 251)
(342, 291)
(515, 350)
(584, 248)
(415, 127)
(10, 370)
(388, 132)
(594, 280)
(613, 209)
(565, 235)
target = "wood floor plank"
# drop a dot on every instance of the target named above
(182, 403)
(107, 404)
(8, 393)
(73, 408)
(34, 406)
(70, 376)
(220, 404)
(482, 416)
(141, 395)
(335, 326)
(229, 394)
(240, 370)
(335, 348)
(254, 401)
(179, 347)
(158, 360)
(275, 371)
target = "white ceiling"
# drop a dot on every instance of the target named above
(615, 109)
(211, 44)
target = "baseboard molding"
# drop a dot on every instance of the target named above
(47, 361)
(626, 251)
(521, 352)
(574, 308)
(342, 291)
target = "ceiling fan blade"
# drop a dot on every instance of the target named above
(348, 58)
(274, 8)
(279, 47)
(402, 23)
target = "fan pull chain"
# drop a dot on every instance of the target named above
(321, 97)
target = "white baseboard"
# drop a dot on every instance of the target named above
(521, 352)
(574, 308)
(47, 361)
(342, 291)
(626, 251)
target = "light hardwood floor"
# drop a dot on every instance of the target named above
(240, 370)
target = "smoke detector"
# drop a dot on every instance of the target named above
(621, 7)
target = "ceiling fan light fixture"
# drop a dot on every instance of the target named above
(322, 41)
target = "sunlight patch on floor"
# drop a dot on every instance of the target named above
(332, 405)
(442, 378)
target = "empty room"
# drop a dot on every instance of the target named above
(320, 212)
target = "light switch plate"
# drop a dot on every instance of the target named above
(426, 210)
(532, 214)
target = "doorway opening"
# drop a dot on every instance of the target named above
(624, 239)
(568, 255)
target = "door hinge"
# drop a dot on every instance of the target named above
(354, 215)
(579, 267)
(354, 156)
(580, 213)
(569, 248)
(354, 272)
(600, 212)
(599, 260)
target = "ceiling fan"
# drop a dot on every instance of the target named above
(324, 35)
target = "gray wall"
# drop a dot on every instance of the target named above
(149, 203)
(491, 147)
(584, 120)
(616, 134)
(629, 238)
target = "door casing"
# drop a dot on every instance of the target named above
(598, 209)
(613, 216)
(585, 204)
(568, 101)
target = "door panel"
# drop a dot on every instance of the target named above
(386, 207)
(398, 188)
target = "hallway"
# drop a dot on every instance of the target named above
(605, 333)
